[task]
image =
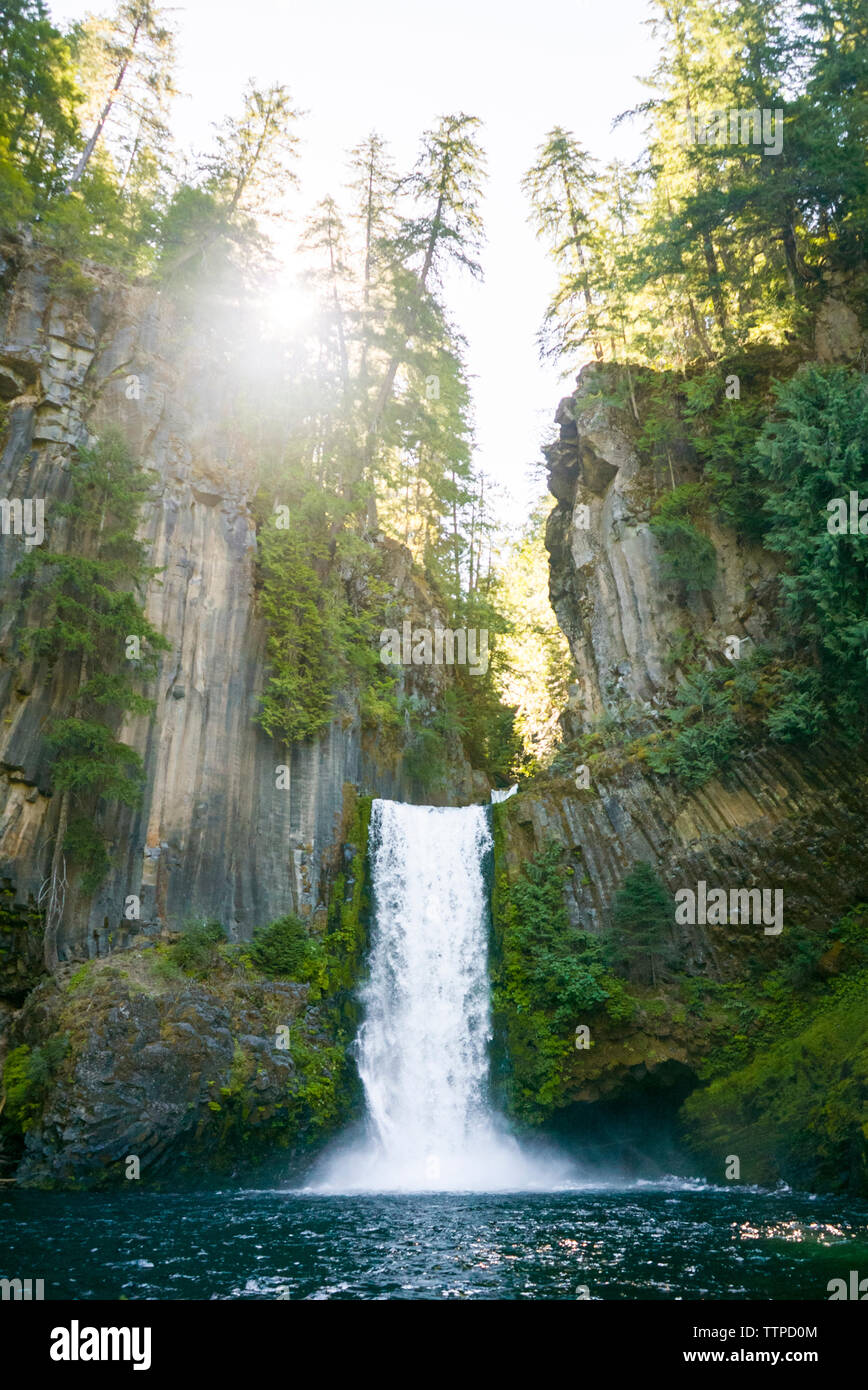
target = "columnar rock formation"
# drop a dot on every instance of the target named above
(606, 585)
(215, 837)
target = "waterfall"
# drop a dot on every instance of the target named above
(423, 1045)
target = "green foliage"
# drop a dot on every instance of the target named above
(83, 842)
(560, 187)
(642, 915)
(480, 709)
(88, 610)
(533, 666)
(320, 1102)
(323, 636)
(346, 940)
(38, 126)
(786, 1070)
(546, 978)
(425, 757)
(801, 715)
(197, 952)
(724, 432)
(303, 646)
(768, 1007)
(704, 247)
(16, 195)
(282, 949)
(446, 183)
(688, 554)
(717, 711)
(26, 1076)
(164, 968)
(89, 759)
(90, 606)
(798, 1110)
(703, 732)
(815, 680)
(814, 449)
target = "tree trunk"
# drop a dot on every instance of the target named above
(56, 887)
(714, 283)
(104, 114)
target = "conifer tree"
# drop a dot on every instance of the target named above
(247, 176)
(39, 98)
(560, 186)
(447, 227)
(374, 185)
(138, 52)
(89, 614)
(642, 916)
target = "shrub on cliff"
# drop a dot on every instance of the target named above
(282, 949)
(196, 952)
(26, 1076)
(688, 554)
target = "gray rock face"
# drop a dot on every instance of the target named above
(216, 836)
(619, 613)
(779, 820)
(837, 334)
(179, 1079)
(774, 818)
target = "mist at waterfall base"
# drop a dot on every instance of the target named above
(423, 1047)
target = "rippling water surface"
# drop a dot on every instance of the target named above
(661, 1241)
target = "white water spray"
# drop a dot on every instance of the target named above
(423, 1047)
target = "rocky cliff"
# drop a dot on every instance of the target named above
(773, 816)
(215, 837)
(607, 587)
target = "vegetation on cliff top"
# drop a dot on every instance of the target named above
(699, 276)
(710, 244)
(354, 422)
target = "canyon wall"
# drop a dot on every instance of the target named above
(776, 812)
(215, 836)
(777, 817)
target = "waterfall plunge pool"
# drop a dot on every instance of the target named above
(658, 1241)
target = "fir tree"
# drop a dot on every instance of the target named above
(89, 613)
(642, 916)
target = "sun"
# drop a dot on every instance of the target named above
(289, 305)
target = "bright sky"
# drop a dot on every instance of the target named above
(395, 66)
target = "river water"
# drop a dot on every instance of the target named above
(642, 1242)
